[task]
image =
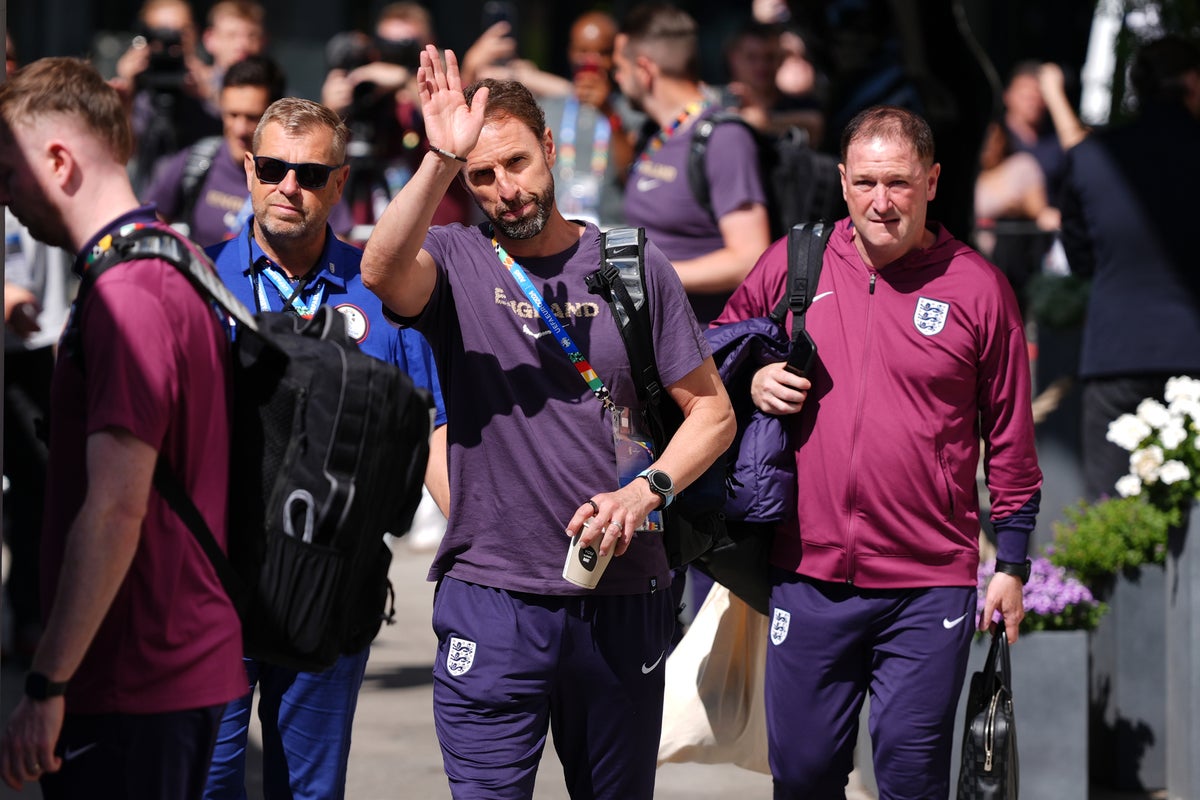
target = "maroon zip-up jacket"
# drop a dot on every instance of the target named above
(918, 364)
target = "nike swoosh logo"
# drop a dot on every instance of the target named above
(646, 184)
(534, 334)
(950, 623)
(647, 670)
(818, 297)
(70, 754)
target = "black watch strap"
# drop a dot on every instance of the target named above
(1021, 569)
(39, 687)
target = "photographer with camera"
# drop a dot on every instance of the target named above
(372, 84)
(163, 81)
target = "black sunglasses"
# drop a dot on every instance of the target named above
(274, 170)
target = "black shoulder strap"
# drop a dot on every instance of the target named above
(805, 254)
(621, 281)
(173, 491)
(199, 160)
(702, 132)
(160, 242)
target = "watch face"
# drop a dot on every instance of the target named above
(661, 482)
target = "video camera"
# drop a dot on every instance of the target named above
(167, 70)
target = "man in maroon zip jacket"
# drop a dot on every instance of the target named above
(921, 354)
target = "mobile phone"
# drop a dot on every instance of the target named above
(804, 353)
(500, 11)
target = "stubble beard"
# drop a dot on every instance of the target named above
(530, 226)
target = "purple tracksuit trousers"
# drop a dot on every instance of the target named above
(590, 667)
(830, 644)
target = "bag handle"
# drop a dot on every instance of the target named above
(999, 662)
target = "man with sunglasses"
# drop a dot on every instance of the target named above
(287, 259)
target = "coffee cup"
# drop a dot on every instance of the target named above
(584, 564)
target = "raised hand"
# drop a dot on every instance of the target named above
(450, 124)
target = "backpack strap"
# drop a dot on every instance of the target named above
(200, 158)
(621, 281)
(171, 488)
(805, 254)
(702, 132)
(158, 241)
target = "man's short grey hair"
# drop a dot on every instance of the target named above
(298, 116)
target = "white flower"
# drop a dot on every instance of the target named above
(1174, 471)
(1145, 463)
(1127, 432)
(1186, 408)
(1172, 435)
(1182, 388)
(1153, 413)
(1129, 486)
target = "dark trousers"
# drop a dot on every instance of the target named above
(833, 643)
(27, 376)
(511, 665)
(1105, 399)
(134, 756)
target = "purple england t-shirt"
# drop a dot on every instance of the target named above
(222, 194)
(529, 442)
(659, 198)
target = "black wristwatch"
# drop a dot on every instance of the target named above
(39, 687)
(661, 484)
(1021, 569)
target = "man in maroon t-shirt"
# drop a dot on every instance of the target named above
(140, 637)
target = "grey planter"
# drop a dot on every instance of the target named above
(1050, 698)
(1183, 660)
(1128, 673)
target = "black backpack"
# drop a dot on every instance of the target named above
(328, 453)
(801, 184)
(723, 522)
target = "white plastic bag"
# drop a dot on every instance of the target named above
(714, 711)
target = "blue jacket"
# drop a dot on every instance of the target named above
(762, 470)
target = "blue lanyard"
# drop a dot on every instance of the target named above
(560, 333)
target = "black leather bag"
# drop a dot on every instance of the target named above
(989, 768)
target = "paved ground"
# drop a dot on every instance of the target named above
(395, 754)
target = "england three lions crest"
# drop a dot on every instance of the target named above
(930, 316)
(460, 656)
(779, 626)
